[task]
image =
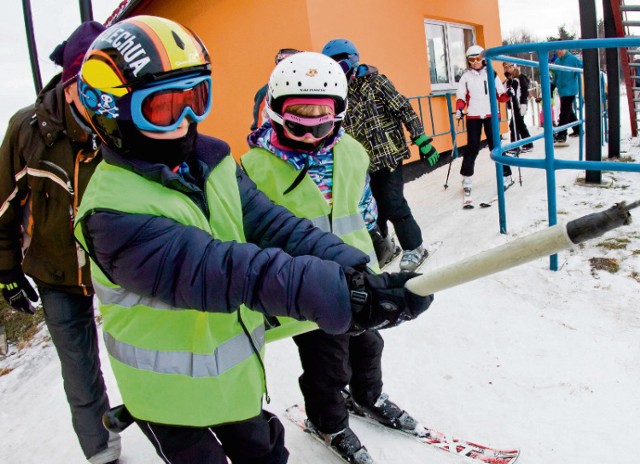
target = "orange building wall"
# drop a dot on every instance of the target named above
(243, 36)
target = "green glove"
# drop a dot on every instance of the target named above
(427, 151)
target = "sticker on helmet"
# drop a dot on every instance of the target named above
(100, 102)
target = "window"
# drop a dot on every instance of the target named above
(446, 47)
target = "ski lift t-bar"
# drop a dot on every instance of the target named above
(543, 243)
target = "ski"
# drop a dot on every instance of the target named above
(397, 253)
(473, 452)
(433, 438)
(298, 416)
(487, 204)
(467, 200)
(431, 249)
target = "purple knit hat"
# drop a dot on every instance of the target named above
(70, 53)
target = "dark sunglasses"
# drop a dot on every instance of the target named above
(318, 127)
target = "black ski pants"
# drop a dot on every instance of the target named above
(474, 133)
(331, 362)
(387, 187)
(567, 115)
(520, 126)
(70, 320)
(259, 440)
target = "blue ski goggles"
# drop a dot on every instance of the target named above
(162, 108)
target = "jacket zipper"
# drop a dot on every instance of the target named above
(257, 353)
(81, 256)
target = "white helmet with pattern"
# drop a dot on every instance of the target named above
(306, 74)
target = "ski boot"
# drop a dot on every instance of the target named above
(508, 182)
(385, 247)
(412, 259)
(560, 139)
(384, 411)
(345, 443)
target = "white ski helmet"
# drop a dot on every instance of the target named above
(306, 74)
(474, 50)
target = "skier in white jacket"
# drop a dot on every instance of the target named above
(473, 93)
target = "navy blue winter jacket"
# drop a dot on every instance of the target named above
(277, 272)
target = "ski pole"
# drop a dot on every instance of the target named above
(454, 151)
(4, 346)
(543, 243)
(516, 137)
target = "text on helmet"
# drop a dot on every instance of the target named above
(131, 50)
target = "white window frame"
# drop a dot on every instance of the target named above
(452, 84)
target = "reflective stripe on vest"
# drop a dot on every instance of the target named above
(343, 226)
(226, 356)
(121, 297)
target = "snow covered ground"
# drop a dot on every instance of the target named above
(547, 362)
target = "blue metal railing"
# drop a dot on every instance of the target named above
(454, 128)
(549, 163)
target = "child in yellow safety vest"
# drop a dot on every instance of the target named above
(303, 160)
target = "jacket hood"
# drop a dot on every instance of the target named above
(50, 111)
(54, 116)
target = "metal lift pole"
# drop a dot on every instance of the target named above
(31, 43)
(86, 10)
(592, 128)
(613, 82)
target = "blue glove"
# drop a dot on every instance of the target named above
(17, 291)
(427, 151)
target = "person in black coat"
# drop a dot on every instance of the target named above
(518, 84)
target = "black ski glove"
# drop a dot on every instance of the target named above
(381, 301)
(17, 291)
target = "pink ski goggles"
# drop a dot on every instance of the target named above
(317, 127)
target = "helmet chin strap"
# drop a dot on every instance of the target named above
(281, 141)
(300, 176)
